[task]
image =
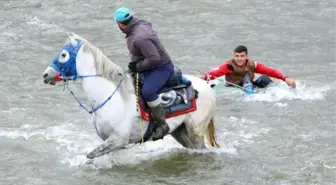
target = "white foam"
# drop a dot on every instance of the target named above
(243, 131)
(328, 166)
(279, 104)
(280, 91)
(74, 143)
(36, 22)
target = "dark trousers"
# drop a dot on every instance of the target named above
(155, 79)
(261, 82)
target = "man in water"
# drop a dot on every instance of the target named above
(240, 71)
(147, 56)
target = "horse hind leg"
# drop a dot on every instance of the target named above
(198, 139)
(181, 135)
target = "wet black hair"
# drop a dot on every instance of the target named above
(240, 49)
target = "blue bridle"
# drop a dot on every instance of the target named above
(65, 64)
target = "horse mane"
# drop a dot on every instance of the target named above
(106, 68)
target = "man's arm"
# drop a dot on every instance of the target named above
(220, 71)
(263, 69)
(149, 51)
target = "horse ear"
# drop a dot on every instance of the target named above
(72, 39)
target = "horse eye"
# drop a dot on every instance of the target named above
(64, 57)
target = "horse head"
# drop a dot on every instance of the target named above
(64, 63)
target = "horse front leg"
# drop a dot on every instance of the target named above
(113, 142)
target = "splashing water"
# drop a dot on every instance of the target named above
(276, 92)
(73, 144)
(280, 91)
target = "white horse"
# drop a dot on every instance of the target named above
(116, 119)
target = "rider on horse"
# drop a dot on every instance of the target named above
(148, 57)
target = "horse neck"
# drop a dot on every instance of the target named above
(98, 88)
(120, 110)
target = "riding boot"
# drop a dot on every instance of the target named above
(161, 128)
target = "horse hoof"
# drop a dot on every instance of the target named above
(90, 161)
(157, 137)
(90, 156)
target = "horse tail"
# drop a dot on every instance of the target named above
(211, 134)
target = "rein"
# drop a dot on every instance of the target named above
(93, 110)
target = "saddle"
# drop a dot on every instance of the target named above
(178, 95)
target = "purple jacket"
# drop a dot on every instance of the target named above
(144, 45)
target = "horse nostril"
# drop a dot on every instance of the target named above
(45, 75)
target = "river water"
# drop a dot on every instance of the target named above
(280, 136)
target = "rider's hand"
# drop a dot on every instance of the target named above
(290, 82)
(132, 66)
(203, 77)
